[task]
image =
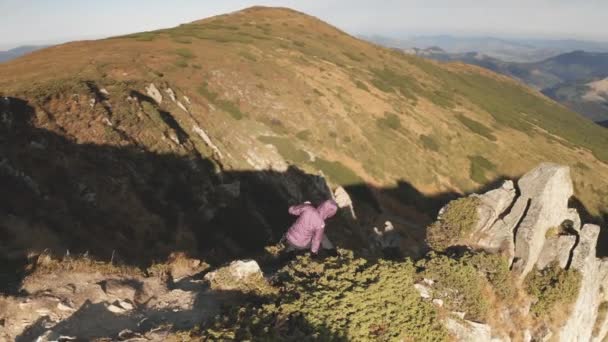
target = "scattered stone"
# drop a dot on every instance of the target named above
(239, 274)
(425, 292)
(63, 306)
(104, 91)
(388, 238)
(126, 305)
(438, 302)
(115, 309)
(153, 92)
(187, 99)
(92, 102)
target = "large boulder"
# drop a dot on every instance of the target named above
(544, 194)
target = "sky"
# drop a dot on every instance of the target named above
(54, 21)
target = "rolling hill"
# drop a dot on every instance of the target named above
(197, 137)
(575, 79)
(18, 51)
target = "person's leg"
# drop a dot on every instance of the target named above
(326, 244)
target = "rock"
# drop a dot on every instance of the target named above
(438, 302)
(235, 276)
(153, 92)
(92, 103)
(467, 331)
(171, 94)
(186, 99)
(119, 289)
(388, 237)
(63, 306)
(556, 249)
(115, 309)
(492, 204)
(581, 321)
(181, 266)
(425, 291)
(126, 305)
(545, 192)
(343, 200)
(104, 91)
(182, 107)
(201, 133)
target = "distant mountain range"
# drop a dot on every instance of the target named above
(577, 79)
(510, 50)
(18, 51)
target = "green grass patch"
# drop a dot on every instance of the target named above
(225, 105)
(181, 63)
(389, 121)
(182, 40)
(479, 167)
(361, 85)
(337, 172)
(429, 143)
(304, 135)
(476, 127)
(353, 56)
(184, 53)
(389, 80)
(286, 149)
(248, 55)
(455, 223)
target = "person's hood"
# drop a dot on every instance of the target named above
(327, 209)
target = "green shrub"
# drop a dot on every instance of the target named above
(457, 283)
(479, 166)
(552, 287)
(495, 268)
(390, 120)
(184, 53)
(340, 299)
(429, 143)
(457, 220)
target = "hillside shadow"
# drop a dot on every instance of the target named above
(135, 207)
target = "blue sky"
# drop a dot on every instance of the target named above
(44, 21)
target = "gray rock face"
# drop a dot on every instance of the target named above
(579, 326)
(546, 191)
(467, 331)
(492, 234)
(556, 249)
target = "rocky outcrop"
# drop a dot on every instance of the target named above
(546, 191)
(154, 93)
(535, 228)
(243, 275)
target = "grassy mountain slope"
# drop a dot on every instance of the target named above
(574, 79)
(273, 87)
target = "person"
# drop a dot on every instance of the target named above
(308, 232)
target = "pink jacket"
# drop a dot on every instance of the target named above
(310, 225)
